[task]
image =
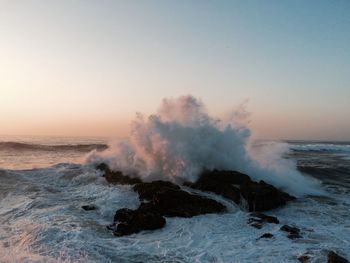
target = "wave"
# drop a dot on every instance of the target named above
(181, 140)
(20, 146)
(321, 147)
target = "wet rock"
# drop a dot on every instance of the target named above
(266, 235)
(257, 220)
(224, 183)
(127, 221)
(335, 258)
(258, 196)
(116, 177)
(265, 218)
(293, 232)
(147, 191)
(169, 200)
(304, 259)
(89, 207)
(183, 204)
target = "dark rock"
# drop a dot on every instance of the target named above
(304, 258)
(147, 191)
(258, 219)
(169, 200)
(116, 177)
(88, 207)
(293, 232)
(222, 183)
(335, 258)
(262, 196)
(129, 221)
(266, 235)
(235, 186)
(265, 218)
(183, 204)
(256, 225)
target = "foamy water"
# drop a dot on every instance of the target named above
(41, 220)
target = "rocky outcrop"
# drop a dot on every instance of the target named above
(161, 199)
(335, 258)
(116, 177)
(238, 187)
(169, 200)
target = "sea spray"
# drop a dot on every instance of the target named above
(181, 140)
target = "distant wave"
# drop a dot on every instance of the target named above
(19, 146)
(321, 147)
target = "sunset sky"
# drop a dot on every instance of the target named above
(86, 67)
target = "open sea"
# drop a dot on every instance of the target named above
(44, 181)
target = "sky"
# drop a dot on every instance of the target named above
(77, 68)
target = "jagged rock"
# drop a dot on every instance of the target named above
(223, 183)
(235, 186)
(127, 221)
(262, 196)
(116, 177)
(335, 258)
(169, 200)
(88, 207)
(266, 235)
(146, 191)
(293, 232)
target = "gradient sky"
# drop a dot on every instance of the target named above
(86, 67)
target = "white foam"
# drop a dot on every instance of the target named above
(182, 139)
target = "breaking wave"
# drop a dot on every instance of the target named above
(182, 139)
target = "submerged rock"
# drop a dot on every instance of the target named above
(258, 219)
(88, 207)
(335, 258)
(293, 232)
(304, 258)
(265, 218)
(266, 235)
(116, 177)
(238, 187)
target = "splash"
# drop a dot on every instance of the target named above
(181, 140)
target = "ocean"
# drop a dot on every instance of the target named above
(44, 181)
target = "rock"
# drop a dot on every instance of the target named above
(265, 218)
(266, 235)
(223, 183)
(258, 219)
(116, 177)
(169, 200)
(335, 258)
(237, 186)
(262, 196)
(294, 232)
(88, 207)
(183, 204)
(304, 258)
(127, 221)
(146, 191)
